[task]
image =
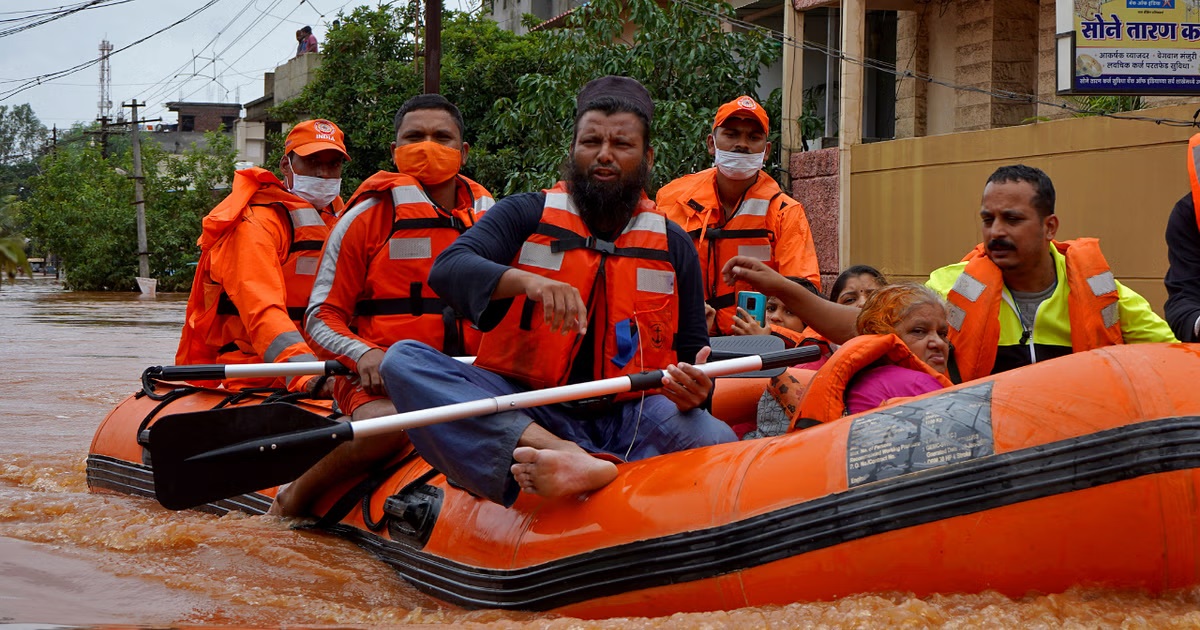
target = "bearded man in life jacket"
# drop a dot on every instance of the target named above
(583, 281)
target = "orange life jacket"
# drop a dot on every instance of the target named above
(974, 306)
(692, 202)
(214, 330)
(825, 398)
(808, 336)
(397, 302)
(1194, 173)
(629, 287)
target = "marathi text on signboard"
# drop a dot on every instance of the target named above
(1138, 46)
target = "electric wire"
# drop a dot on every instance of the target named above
(35, 81)
(230, 65)
(890, 68)
(36, 20)
(171, 81)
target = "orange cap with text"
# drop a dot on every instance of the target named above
(742, 107)
(311, 136)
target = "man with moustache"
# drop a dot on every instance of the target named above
(1019, 297)
(371, 288)
(736, 208)
(583, 281)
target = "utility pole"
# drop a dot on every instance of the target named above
(103, 133)
(139, 200)
(433, 46)
(417, 52)
(143, 248)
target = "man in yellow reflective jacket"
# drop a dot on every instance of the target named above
(1019, 297)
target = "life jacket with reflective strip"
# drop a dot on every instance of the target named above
(309, 231)
(397, 302)
(214, 331)
(717, 240)
(974, 306)
(1194, 173)
(825, 397)
(628, 285)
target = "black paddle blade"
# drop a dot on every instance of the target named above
(205, 456)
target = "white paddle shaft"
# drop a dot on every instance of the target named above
(537, 397)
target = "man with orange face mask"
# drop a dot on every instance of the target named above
(371, 288)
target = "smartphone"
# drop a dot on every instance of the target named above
(754, 303)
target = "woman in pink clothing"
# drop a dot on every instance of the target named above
(900, 351)
(917, 317)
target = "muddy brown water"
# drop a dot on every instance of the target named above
(70, 557)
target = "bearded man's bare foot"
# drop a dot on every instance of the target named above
(279, 507)
(559, 473)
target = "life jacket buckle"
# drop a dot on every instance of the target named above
(601, 245)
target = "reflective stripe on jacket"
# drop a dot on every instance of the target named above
(825, 397)
(1081, 314)
(629, 286)
(259, 253)
(372, 288)
(767, 225)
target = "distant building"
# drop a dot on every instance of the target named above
(204, 117)
(195, 119)
(509, 13)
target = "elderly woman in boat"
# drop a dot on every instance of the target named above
(900, 351)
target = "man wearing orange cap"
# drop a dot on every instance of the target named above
(372, 287)
(258, 258)
(736, 209)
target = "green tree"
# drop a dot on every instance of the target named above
(517, 93)
(367, 72)
(12, 257)
(22, 135)
(81, 208)
(12, 245)
(1097, 105)
(679, 52)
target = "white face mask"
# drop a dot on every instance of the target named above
(739, 165)
(318, 191)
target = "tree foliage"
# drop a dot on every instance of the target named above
(683, 57)
(517, 93)
(22, 135)
(81, 209)
(367, 72)
(12, 244)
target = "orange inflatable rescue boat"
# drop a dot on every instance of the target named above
(1080, 470)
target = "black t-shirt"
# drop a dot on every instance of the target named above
(1183, 276)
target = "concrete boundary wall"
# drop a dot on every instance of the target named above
(916, 200)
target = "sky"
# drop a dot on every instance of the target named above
(219, 55)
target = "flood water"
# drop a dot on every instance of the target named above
(69, 557)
